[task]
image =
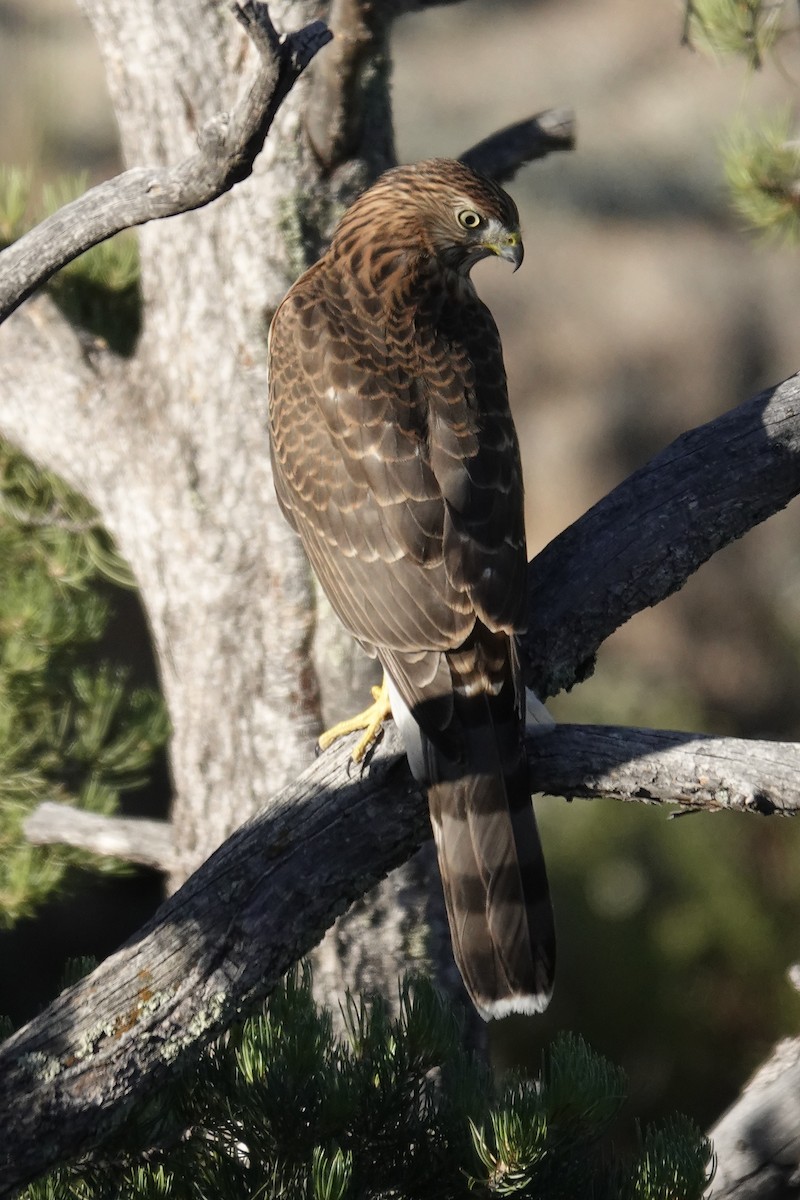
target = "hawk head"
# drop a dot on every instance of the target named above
(442, 207)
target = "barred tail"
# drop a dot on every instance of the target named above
(496, 891)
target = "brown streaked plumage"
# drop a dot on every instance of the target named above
(396, 460)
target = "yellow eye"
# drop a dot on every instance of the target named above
(469, 219)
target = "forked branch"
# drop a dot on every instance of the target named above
(227, 149)
(221, 943)
(267, 895)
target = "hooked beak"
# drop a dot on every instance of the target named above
(509, 247)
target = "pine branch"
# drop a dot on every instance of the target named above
(228, 147)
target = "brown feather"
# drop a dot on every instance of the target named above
(396, 460)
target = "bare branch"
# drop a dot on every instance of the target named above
(642, 541)
(657, 766)
(133, 839)
(651, 766)
(335, 112)
(757, 1141)
(216, 947)
(221, 943)
(227, 148)
(502, 154)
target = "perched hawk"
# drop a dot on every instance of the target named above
(396, 460)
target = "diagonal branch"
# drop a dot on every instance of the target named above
(264, 898)
(216, 947)
(227, 148)
(642, 541)
(503, 153)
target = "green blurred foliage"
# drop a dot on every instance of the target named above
(280, 1107)
(747, 28)
(71, 729)
(763, 171)
(762, 163)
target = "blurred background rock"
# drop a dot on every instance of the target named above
(643, 308)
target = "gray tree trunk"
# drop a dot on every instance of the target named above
(171, 446)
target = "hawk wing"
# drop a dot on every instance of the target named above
(398, 466)
(396, 460)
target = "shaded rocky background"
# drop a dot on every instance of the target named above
(643, 308)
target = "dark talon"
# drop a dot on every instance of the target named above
(370, 751)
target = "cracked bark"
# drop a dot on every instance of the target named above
(262, 900)
(170, 445)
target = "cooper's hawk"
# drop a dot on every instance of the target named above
(396, 460)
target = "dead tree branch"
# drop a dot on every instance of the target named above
(133, 839)
(503, 153)
(642, 541)
(699, 772)
(757, 1141)
(227, 148)
(220, 944)
(657, 766)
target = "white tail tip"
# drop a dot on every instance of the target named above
(538, 719)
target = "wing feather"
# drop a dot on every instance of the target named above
(396, 452)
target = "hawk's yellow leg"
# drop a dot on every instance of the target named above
(370, 720)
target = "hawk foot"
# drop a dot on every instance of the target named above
(370, 720)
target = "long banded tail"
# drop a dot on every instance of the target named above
(496, 891)
(490, 856)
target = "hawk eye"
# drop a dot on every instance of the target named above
(469, 219)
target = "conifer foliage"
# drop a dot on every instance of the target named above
(762, 163)
(282, 1108)
(71, 727)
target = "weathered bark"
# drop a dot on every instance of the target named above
(639, 544)
(212, 950)
(263, 899)
(757, 1141)
(227, 147)
(170, 445)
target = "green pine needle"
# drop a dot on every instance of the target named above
(747, 28)
(676, 1161)
(280, 1109)
(68, 731)
(331, 1174)
(763, 171)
